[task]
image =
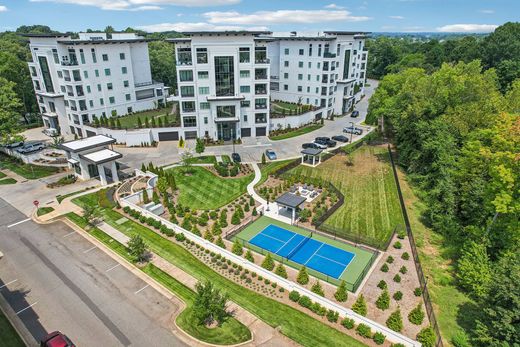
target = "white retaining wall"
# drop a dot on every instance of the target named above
(391, 335)
(295, 121)
(134, 137)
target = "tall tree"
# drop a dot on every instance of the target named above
(9, 110)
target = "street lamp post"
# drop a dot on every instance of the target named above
(352, 131)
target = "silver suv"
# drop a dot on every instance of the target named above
(31, 147)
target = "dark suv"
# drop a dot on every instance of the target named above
(325, 141)
(310, 145)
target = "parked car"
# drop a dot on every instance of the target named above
(340, 138)
(31, 147)
(353, 130)
(56, 339)
(354, 114)
(320, 145)
(14, 144)
(236, 157)
(325, 141)
(310, 145)
(270, 154)
(51, 132)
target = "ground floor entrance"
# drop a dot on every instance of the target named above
(226, 131)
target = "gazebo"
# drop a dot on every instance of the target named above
(290, 201)
(309, 156)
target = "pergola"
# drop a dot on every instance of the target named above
(309, 156)
(290, 201)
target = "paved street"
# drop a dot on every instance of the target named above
(57, 280)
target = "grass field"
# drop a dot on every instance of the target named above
(371, 209)
(203, 159)
(203, 190)
(28, 171)
(269, 168)
(353, 271)
(296, 132)
(8, 336)
(7, 180)
(297, 325)
(44, 210)
(130, 121)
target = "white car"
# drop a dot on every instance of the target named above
(320, 145)
(51, 132)
(31, 147)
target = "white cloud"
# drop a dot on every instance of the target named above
(396, 17)
(335, 7)
(194, 27)
(282, 17)
(487, 11)
(3, 8)
(141, 5)
(467, 28)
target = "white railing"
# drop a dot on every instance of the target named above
(391, 335)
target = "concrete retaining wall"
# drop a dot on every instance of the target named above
(295, 121)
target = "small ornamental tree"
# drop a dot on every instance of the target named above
(235, 218)
(280, 270)
(199, 147)
(416, 316)
(360, 306)
(395, 321)
(317, 288)
(237, 248)
(249, 256)
(254, 211)
(223, 219)
(303, 276)
(143, 167)
(220, 243)
(268, 262)
(155, 198)
(118, 123)
(263, 158)
(382, 284)
(139, 123)
(427, 337)
(146, 199)
(137, 248)
(341, 293)
(383, 302)
(216, 230)
(210, 304)
(251, 201)
(379, 338)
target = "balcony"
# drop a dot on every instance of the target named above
(329, 55)
(260, 76)
(260, 91)
(262, 60)
(69, 63)
(260, 106)
(184, 62)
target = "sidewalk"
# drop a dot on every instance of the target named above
(263, 334)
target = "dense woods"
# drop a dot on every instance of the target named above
(456, 127)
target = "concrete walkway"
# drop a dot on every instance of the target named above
(263, 334)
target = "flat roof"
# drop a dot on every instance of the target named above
(108, 41)
(304, 38)
(311, 151)
(347, 32)
(102, 156)
(290, 200)
(87, 143)
(46, 35)
(227, 32)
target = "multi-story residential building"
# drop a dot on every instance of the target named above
(326, 71)
(78, 79)
(223, 83)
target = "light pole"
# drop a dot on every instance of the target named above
(352, 131)
(233, 136)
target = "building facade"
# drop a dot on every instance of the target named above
(223, 84)
(76, 80)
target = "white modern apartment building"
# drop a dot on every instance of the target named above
(91, 76)
(327, 71)
(223, 82)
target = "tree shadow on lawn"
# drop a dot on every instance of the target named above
(467, 316)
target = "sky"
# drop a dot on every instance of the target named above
(279, 16)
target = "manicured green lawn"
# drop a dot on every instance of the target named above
(2, 175)
(44, 210)
(8, 336)
(8, 180)
(28, 171)
(130, 121)
(296, 132)
(293, 323)
(279, 105)
(353, 271)
(371, 209)
(203, 190)
(229, 333)
(269, 168)
(203, 159)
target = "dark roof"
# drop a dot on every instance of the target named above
(227, 32)
(108, 41)
(46, 35)
(311, 151)
(290, 200)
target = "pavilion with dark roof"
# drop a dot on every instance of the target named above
(309, 156)
(290, 201)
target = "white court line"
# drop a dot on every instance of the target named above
(20, 222)
(313, 254)
(285, 244)
(113, 267)
(90, 249)
(72, 232)
(8, 283)
(28, 307)
(146, 286)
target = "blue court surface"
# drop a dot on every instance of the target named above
(307, 251)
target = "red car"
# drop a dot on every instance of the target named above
(56, 339)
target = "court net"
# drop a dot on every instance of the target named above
(299, 246)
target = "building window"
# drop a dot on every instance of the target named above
(319, 50)
(128, 97)
(107, 72)
(99, 87)
(187, 91)
(184, 56)
(185, 75)
(85, 74)
(300, 76)
(91, 103)
(286, 51)
(129, 110)
(96, 72)
(244, 54)
(260, 118)
(60, 74)
(55, 56)
(126, 84)
(88, 89)
(190, 121)
(124, 70)
(301, 51)
(286, 75)
(285, 87)
(245, 73)
(203, 90)
(308, 77)
(110, 86)
(245, 118)
(300, 64)
(260, 104)
(204, 105)
(227, 111)
(112, 100)
(224, 76)
(188, 106)
(203, 75)
(245, 103)
(105, 57)
(47, 80)
(300, 88)
(310, 49)
(82, 56)
(122, 56)
(245, 89)
(94, 59)
(202, 55)
(101, 101)
(286, 63)
(308, 91)
(205, 120)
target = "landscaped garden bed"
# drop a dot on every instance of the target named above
(28, 171)
(284, 108)
(282, 134)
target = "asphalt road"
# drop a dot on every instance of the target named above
(57, 280)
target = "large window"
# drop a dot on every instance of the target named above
(47, 80)
(261, 118)
(244, 54)
(204, 105)
(184, 56)
(187, 91)
(260, 104)
(185, 75)
(188, 106)
(346, 64)
(224, 76)
(203, 75)
(244, 73)
(190, 121)
(245, 89)
(202, 55)
(226, 111)
(203, 90)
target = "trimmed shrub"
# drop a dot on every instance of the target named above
(403, 270)
(360, 306)
(305, 301)
(416, 316)
(379, 338)
(383, 302)
(268, 262)
(401, 234)
(382, 284)
(364, 330)
(249, 256)
(395, 321)
(341, 294)
(294, 296)
(405, 256)
(397, 345)
(317, 288)
(384, 268)
(398, 245)
(332, 316)
(281, 271)
(427, 337)
(460, 339)
(398, 295)
(397, 278)
(237, 248)
(417, 291)
(303, 277)
(348, 323)
(390, 259)
(220, 243)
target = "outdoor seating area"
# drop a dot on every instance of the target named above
(309, 192)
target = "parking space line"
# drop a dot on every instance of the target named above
(113, 267)
(8, 283)
(146, 286)
(19, 222)
(72, 232)
(90, 249)
(28, 307)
